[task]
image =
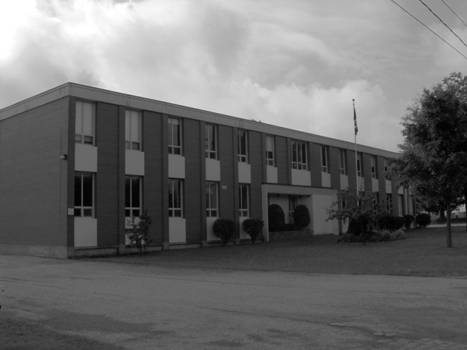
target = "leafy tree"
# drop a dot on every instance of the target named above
(434, 152)
(361, 210)
(139, 233)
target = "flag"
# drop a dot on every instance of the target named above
(355, 118)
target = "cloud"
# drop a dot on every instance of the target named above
(296, 64)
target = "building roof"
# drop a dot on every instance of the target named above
(137, 102)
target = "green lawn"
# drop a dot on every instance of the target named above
(423, 253)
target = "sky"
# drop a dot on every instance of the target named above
(292, 63)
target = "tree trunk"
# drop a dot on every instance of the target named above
(449, 232)
(442, 217)
(465, 203)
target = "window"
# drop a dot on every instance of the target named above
(402, 205)
(374, 167)
(389, 203)
(244, 200)
(325, 159)
(360, 164)
(84, 194)
(210, 140)
(343, 203)
(175, 136)
(85, 123)
(175, 198)
(133, 196)
(270, 151)
(343, 162)
(299, 155)
(212, 199)
(133, 130)
(360, 199)
(375, 200)
(243, 146)
(387, 171)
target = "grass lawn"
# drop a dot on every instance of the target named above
(423, 253)
(19, 334)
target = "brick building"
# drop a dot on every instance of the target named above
(77, 163)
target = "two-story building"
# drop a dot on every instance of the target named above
(78, 164)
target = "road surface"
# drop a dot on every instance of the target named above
(149, 307)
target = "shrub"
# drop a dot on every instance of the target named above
(399, 222)
(301, 216)
(253, 227)
(385, 222)
(359, 225)
(423, 220)
(408, 219)
(276, 217)
(390, 222)
(224, 229)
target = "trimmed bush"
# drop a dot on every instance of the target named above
(390, 222)
(408, 219)
(224, 229)
(359, 225)
(301, 217)
(385, 222)
(276, 217)
(399, 222)
(253, 227)
(423, 220)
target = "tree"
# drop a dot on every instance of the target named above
(361, 210)
(434, 151)
(139, 233)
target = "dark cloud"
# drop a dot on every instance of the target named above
(292, 63)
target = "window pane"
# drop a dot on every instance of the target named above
(127, 192)
(171, 194)
(269, 144)
(170, 136)
(88, 119)
(127, 125)
(208, 197)
(135, 133)
(135, 188)
(214, 191)
(176, 194)
(79, 118)
(78, 201)
(87, 190)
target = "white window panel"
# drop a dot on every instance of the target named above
(85, 123)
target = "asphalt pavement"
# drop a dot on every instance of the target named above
(150, 307)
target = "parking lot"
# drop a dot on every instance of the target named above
(162, 303)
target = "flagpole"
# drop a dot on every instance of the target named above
(355, 146)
